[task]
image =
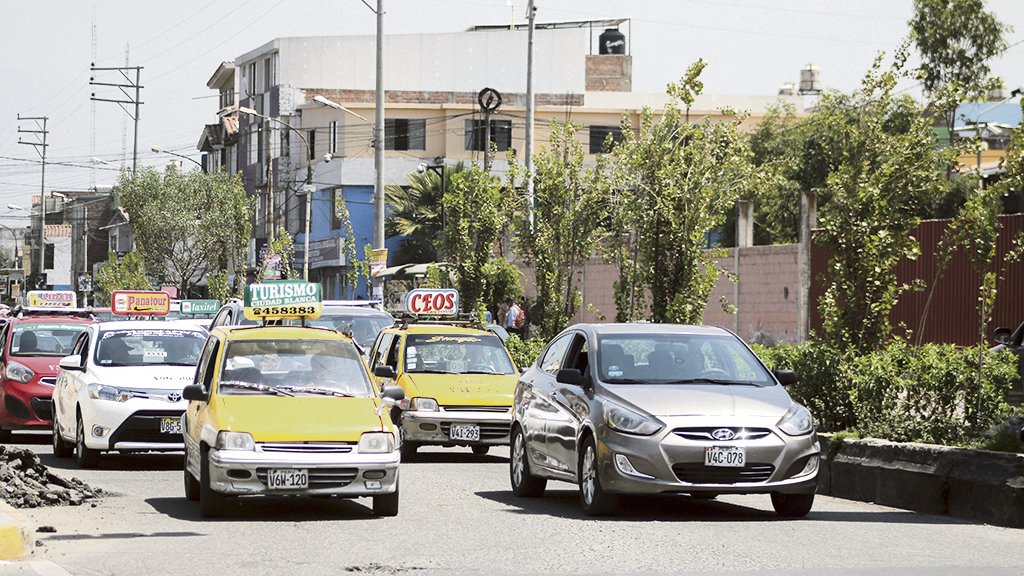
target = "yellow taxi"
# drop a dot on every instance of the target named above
(287, 410)
(459, 380)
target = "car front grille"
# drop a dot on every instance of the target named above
(697, 473)
(144, 426)
(321, 477)
(488, 430)
(16, 407)
(43, 407)
(306, 447)
(705, 433)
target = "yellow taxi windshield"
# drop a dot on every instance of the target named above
(294, 367)
(456, 354)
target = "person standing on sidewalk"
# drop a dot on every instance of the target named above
(515, 319)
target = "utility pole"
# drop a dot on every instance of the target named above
(40, 146)
(378, 145)
(129, 99)
(271, 209)
(531, 13)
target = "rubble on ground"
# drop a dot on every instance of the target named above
(26, 483)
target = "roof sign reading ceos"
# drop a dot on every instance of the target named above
(432, 302)
(283, 299)
(52, 298)
(139, 303)
(199, 306)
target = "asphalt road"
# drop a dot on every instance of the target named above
(458, 516)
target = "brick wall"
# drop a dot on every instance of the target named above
(440, 97)
(609, 73)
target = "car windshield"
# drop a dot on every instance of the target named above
(149, 346)
(31, 339)
(456, 354)
(294, 367)
(364, 327)
(678, 359)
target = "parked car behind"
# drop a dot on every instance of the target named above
(1013, 340)
(660, 409)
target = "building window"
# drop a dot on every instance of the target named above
(599, 136)
(48, 257)
(251, 80)
(337, 195)
(501, 134)
(332, 137)
(405, 134)
(286, 148)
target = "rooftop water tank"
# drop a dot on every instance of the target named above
(810, 80)
(787, 89)
(612, 41)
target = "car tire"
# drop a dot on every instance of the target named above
(596, 502)
(192, 486)
(211, 502)
(524, 484)
(61, 447)
(480, 450)
(792, 505)
(409, 451)
(85, 456)
(386, 504)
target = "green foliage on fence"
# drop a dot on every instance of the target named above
(524, 352)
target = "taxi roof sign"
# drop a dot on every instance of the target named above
(283, 299)
(194, 307)
(52, 298)
(140, 303)
(432, 302)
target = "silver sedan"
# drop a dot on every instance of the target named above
(659, 409)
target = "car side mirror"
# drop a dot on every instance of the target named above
(569, 376)
(786, 377)
(1002, 335)
(385, 372)
(194, 392)
(72, 363)
(395, 393)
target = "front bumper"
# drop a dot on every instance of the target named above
(131, 425)
(430, 427)
(670, 463)
(238, 472)
(26, 406)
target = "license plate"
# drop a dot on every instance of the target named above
(170, 425)
(287, 479)
(725, 456)
(465, 432)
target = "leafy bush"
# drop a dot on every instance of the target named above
(823, 387)
(524, 353)
(931, 393)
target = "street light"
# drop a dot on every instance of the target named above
(331, 104)
(307, 187)
(160, 150)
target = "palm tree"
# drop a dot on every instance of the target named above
(415, 212)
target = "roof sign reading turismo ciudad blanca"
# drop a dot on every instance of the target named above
(283, 299)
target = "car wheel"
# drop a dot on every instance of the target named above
(386, 504)
(61, 447)
(211, 502)
(792, 505)
(524, 484)
(86, 457)
(409, 450)
(596, 502)
(480, 450)
(191, 484)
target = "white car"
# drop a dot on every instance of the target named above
(121, 389)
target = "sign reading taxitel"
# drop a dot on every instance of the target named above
(140, 303)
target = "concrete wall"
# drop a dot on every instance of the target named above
(767, 294)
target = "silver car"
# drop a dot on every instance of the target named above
(660, 409)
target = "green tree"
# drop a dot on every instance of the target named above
(278, 259)
(187, 224)
(956, 39)
(677, 181)
(415, 211)
(890, 164)
(571, 205)
(127, 273)
(501, 282)
(473, 220)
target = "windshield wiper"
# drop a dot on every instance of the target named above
(430, 372)
(178, 363)
(622, 381)
(257, 387)
(316, 390)
(710, 381)
(483, 372)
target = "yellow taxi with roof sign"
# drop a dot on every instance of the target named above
(287, 410)
(459, 379)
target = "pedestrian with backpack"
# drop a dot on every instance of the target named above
(515, 319)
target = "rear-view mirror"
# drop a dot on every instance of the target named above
(785, 377)
(1002, 335)
(72, 363)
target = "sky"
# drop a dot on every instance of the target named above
(752, 47)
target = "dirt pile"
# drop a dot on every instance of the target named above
(26, 483)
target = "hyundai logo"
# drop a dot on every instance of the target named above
(173, 397)
(723, 434)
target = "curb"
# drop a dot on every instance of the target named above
(15, 537)
(972, 484)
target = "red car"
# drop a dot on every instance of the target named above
(31, 345)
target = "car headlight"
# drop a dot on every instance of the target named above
(102, 392)
(376, 443)
(427, 404)
(235, 441)
(19, 373)
(628, 421)
(797, 421)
